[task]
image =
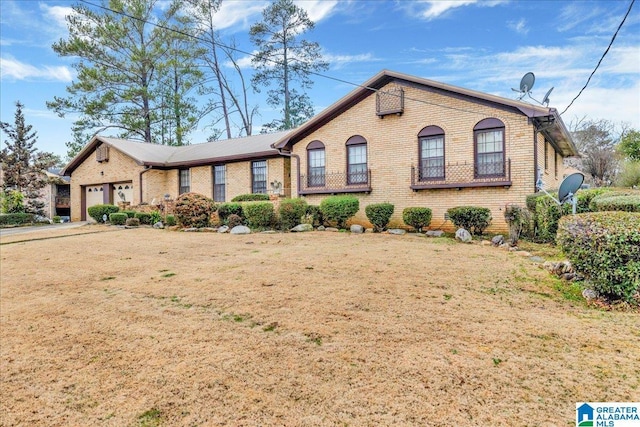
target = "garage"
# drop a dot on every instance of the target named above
(122, 192)
(93, 196)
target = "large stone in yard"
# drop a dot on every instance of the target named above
(434, 233)
(301, 228)
(158, 225)
(357, 229)
(463, 235)
(223, 229)
(497, 240)
(320, 228)
(240, 229)
(397, 231)
(335, 230)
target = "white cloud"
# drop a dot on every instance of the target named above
(317, 9)
(12, 69)
(339, 61)
(57, 14)
(237, 14)
(577, 14)
(432, 9)
(519, 26)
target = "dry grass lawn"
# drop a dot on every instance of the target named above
(150, 327)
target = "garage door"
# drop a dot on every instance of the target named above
(93, 196)
(122, 192)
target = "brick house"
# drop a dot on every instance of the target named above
(110, 170)
(416, 142)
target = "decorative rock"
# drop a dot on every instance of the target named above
(589, 294)
(191, 230)
(158, 225)
(536, 259)
(269, 232)
(357, 229)
(301, 228)
(497, 240)
(434, 233)
(463, 235)
(320, 228)
(223, 229)
(568, 276)
(397, 231)
(335, 230)
(240, 229)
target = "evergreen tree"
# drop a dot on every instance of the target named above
(283, 58)
(22, 164)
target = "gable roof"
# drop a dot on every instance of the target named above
(165, 156)
(546, 119)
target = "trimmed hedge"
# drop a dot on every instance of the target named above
(416, 217)
(379, 214)
(16, 218)
(130, 214)
(118, 218)
(627, 201)
(143, 217)
(253, 197)
(170, 220)
(604, 247)
(259, 214)
(339, 209)
(291, 211)
(98, 211)
(194, 210)
(227, 209)
(474, 219)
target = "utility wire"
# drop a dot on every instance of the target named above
(602, 57)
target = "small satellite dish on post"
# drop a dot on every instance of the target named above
(567, 192)
(526, 84)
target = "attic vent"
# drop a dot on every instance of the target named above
(102, 153)
(389, 101)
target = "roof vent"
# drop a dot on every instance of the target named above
(389, 101)
(102, 153)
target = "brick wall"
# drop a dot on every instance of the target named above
(392, 149)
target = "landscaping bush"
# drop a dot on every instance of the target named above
(143, 217)
(627, 201)
(156, 216)
(254, 197)
(132, 222)
(338, 209)
(291, 211)
(170, 220)
(194, 210)
(604, 247)
(18, 218)
(118, 218)
(130, 214)
(234, 220)
(259, 214)
(417, 218)
(57, 219)
(227, 209)
(379, 215)
(11, 201)
(472, 218)
(519, 220)
(314, 212)
(98, 211)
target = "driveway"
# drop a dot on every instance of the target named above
(23, 230)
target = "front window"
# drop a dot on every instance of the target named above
(357, 172)
(431, 153)
(316, 164)
(219, 182)
(259, 177)
(185, 181)
(489, 149)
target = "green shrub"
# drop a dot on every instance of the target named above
(170, 220)
(259, 214)
(253, 197)
(379, 215)
(316, 214)
(234, 220)
(132, 222)
(604, 247)
(156, 216)
(118, 218)
(472, 218)
(227, 209)
(629, 176)
(291, 211)
(130, 214)
(56, 219)
(619, 200)
(338, 209)
(416, 217)
(11, 201)
(98, 211)
(194, 210)
(143, 217)
(18, 218)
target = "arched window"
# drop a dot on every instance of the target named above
(315, 164)
(357, 171)
(431, 153)
(489, 147)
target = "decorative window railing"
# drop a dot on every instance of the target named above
(462, 174)
(63, 202)
(335, 183)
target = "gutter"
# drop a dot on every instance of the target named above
(142, 172)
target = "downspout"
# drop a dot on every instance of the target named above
(290, 154)
(535, 156)
(146, 169)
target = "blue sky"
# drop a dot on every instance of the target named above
(485, 45)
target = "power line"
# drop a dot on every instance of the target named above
(602, 57)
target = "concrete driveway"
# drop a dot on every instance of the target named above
(31, 229)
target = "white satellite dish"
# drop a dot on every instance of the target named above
(567, 192)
